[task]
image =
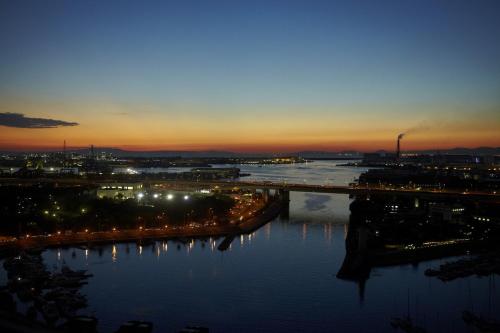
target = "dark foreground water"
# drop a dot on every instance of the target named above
(281, 278)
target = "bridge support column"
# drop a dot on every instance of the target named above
(285, 211)
(266, 194)
(284, 195)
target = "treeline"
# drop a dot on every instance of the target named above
(48, 209)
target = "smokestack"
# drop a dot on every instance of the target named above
(64, 153)
(398, 149)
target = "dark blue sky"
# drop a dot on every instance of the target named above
(253, 53)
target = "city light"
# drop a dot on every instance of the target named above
(131, 171)
(364, 136)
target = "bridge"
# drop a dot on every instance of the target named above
(372, 189)
(336, 189)
(333, 189)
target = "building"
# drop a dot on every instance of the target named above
(454, 213)
(118, 190)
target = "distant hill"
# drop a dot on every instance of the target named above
(305, 154)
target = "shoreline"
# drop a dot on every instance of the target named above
(265, 215)
(416, 256)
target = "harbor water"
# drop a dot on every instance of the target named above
(280, 278)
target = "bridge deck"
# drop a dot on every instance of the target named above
(269, 185)
(334, 188)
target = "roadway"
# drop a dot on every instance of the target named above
(336, 189)
(262, 215)
(254, 185)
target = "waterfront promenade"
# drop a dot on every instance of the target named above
(248, 225)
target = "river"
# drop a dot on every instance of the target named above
(280, 278)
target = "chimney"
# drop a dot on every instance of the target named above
(398, 148)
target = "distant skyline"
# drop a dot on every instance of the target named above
(249, 76)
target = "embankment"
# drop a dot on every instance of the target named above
(249, 225)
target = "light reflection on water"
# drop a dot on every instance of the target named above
(280, 278)
(265, 285)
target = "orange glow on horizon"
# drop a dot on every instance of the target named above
(371, 146)
(251, 129)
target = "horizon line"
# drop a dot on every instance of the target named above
(52, 149)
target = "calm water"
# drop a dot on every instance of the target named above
(281, 278)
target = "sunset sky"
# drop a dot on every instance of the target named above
(252, 76)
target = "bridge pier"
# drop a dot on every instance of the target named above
(284, 195)
(266, 194)
(285, 211)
